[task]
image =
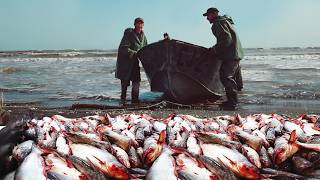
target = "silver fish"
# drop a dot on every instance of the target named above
(32, 167)
(163, 168)
(231, 159)
(101, 159)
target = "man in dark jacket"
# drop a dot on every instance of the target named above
(228, 48)
(127, 62)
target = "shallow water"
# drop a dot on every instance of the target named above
(273, 79)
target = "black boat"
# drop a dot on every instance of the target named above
(184, 72)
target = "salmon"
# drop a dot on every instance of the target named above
(101, 159)
(232, 159)
(163, 168)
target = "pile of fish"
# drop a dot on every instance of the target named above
(138, 146)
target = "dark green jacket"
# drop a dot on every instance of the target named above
(130, 44)
(228, 45)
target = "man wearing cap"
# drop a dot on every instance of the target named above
(127, 68)
(228, 48)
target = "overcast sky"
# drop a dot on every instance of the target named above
(99, 24)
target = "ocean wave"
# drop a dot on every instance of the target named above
(62, 59)
(284, 57)
(296, 70)
(301, 95)
(59, 53)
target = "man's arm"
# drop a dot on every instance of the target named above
(125, 44)
(224, 38)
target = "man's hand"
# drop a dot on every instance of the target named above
(133, 55)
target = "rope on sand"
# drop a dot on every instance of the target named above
(158, 105)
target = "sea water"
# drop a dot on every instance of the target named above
(273, 78)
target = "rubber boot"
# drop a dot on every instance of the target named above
(238, 79)
(232, 101)
(123, 93)
(135, 93)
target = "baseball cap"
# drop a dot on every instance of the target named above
(211, 10)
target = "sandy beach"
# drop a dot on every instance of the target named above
(157, 110)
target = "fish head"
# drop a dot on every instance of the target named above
(152, 154)
(249, 171)
(115, 171)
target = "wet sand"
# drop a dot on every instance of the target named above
(159, 110)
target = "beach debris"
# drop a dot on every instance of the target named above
(138, 146)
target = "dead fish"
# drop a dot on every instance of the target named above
(232, 159)
(163, 167)
(159, 126)
(290, 126)
(152, 148)
(49, 140)
(101, 159)
(253, 141)
(284, 148)
(217, 168)
(191, 168)
(122, 156)
(32, 167)
(252, 155)
(182, 142)
(264, 158)
(310, 118)
(138, 173)
(84, 167)
(271, 135)
(134, 158)
(272, 173)
(122, 141)
(192, 145)
(300, 164)
(59, 168)
(184, 175)
(62, 146)
(218, 139)
(139, 136)
(314, 147)
(85, 139)
(170, 135)
(309, 131)
(22, 150)
(131, 136)
(262, 136)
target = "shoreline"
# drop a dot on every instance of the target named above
(25, 110)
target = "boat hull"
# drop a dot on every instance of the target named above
(184, 72)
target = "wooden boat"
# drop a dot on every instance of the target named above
(184, 72)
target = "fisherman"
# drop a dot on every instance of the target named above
(228, 48)
(127, 62)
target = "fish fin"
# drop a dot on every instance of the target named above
(213, 177)
(100, 161)
(316, 128)
(170, 117)
(69, 163)
(162, 137)
(237, 119)
(293, 137)
(91, 163)
(224, 167)
(83, 177)
(232, 162)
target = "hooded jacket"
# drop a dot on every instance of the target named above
(127, 61)
(228, 46)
